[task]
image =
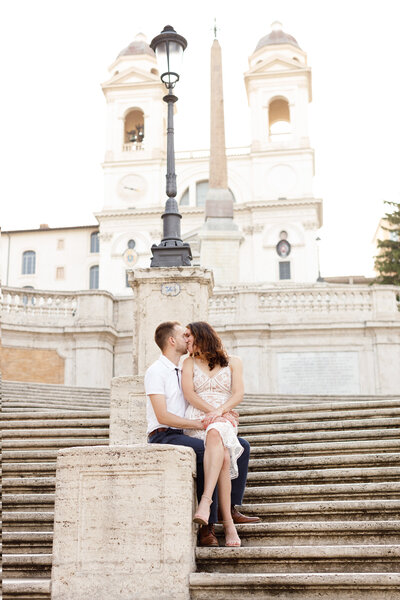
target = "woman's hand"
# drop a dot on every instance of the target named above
(215, 412)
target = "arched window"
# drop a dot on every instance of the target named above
(185, 198)
(201, 193)
(29, 262)
(134, 127)
(94, 277)
(94, 242)
(279, 116)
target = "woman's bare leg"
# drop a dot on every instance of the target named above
(213, 461)
(224, 501)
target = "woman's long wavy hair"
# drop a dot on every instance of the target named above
(208, 344)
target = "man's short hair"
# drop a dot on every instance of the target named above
(163, 332)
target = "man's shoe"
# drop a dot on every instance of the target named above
(238, 518)
(207, 536)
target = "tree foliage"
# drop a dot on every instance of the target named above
(387, 262)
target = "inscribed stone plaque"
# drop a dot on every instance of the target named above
(321, 373)
(112, 537)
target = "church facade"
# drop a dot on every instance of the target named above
(295, 333)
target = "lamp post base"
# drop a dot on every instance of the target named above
(171, 256)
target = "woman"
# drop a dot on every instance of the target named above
(211, 376)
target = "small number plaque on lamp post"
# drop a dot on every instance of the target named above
(171, 251)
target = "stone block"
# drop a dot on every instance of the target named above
(123, 523)
(128, 423)
(165, 294)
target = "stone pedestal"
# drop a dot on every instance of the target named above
(123, 523)
(165, 294)
(128, 423)
(219, 250)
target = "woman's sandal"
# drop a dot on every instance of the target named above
(233, 543)
(202, 518)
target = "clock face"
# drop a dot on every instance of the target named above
(131, 186)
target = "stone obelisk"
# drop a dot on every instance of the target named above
(219, 238)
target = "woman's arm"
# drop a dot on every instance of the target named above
(235, 364)
(188, 390)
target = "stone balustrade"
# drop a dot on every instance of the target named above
(296, 302)
(247, 304)
(38, 307)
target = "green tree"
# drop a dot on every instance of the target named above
(387, 262)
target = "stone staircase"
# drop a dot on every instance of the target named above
(324, 478)
(37, 421)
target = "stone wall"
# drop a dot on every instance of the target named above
(321, 338)
(31, 364)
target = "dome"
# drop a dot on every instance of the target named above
(277, 36)
(138, 46)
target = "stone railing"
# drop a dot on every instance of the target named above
(296, 303)
(38, 307)
(132, 147)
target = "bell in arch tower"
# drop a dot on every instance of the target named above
(136, 130)
(278, 85)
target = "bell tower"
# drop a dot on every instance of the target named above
(136, 128)
(278, 85)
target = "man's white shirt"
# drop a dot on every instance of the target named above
(161, 378)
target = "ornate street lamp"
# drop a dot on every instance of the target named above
(171, 251)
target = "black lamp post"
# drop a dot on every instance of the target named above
(171, 251)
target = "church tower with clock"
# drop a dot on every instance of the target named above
(133, 164)
(275, 211)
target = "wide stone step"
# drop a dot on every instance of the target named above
(34, 417)
(54, 443)
(33, 542)
(320, 426)
(26, 589)
(59, 422)
(327, 510)
(294, 586)
(342, 491)
(300, 559)
(39, 469)
(305, 533)
(250, 418)
(342, 475)
(28, 502)
(325, 448)
(27, 565)
(27, 521)
(11, 456)
(293, 405)
(45, 433)
(26, 485)
(303, 463)
(319, 436)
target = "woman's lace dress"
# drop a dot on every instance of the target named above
(216, 390)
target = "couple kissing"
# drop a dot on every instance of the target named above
(192, 404)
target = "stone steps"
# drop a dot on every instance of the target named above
(28, 521)
(23, 542)
(304, 559)
(307, 491)
(304, 533)
(327, 448)
(295, 586)
(26, 589)
(326, 510)
(324, 478)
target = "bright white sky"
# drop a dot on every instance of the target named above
(55, 54)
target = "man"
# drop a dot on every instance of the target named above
(166, 420)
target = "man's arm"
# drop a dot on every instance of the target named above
(166, 418)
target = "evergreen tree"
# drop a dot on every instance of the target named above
(387, 262)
